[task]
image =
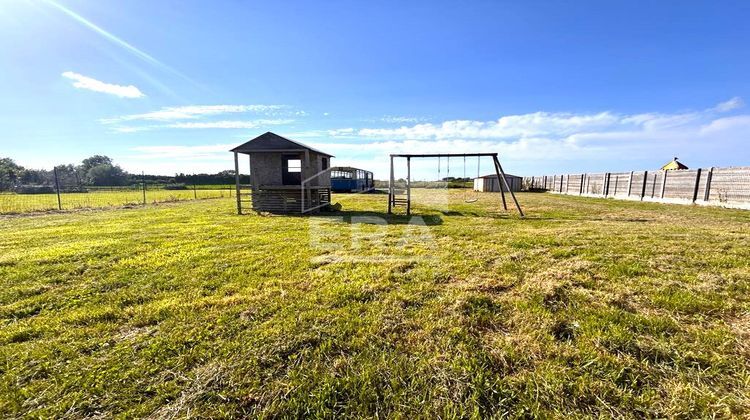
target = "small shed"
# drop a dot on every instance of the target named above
(674, 165)
(489, 183)
(285, 176)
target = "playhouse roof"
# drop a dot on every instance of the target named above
(673, 165)
(272, 142)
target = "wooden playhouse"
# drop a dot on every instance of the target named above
(285, 176)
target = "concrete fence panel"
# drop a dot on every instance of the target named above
(728, 187)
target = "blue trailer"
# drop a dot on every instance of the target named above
(347, 179)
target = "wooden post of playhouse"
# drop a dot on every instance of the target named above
(408, 186)
(499, 167)
(390, 189)
(237, 182)
(306, 190)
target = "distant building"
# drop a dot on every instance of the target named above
(674, 165)
(489, 183)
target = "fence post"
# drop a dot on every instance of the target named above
(643, 188)
(562, 178)
(617, 181)
(57, 189)
(663, 183)
(605, 186)
(580, 188)
(588, 184)
(708, 184)
(630, 183)
(697, 184)
(143, 186)
(195, 193)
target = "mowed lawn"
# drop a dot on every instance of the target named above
(588, 307)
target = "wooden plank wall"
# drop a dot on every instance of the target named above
(728, 187)
(287, 201)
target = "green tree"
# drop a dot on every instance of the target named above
(92, 161)
(106, 175)
(36, 177)
(10, 173)
(68, 176)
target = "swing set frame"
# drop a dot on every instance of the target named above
(395, 201)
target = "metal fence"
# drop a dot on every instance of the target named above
(728, 187)
(58, 195)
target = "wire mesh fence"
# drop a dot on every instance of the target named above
(65, 196)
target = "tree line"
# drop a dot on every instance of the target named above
(96, 171)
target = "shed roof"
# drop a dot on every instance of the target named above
(348, 168)
(495, 176)
(673, 165)
(272, 142)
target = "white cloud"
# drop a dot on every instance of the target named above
(401, 120)
(730, 105)
(226, 124)
(555, 125)
(199, 152)
(199, 117)
(532, 144)
(341, 132)
(223, 124)
(739, 122)
(193, 112)
(83, 82)
(511, 126)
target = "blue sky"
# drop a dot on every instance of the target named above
(169, 86)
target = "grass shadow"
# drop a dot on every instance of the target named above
(373, 217)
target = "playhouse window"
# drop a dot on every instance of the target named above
(291, 170)
(294, 165)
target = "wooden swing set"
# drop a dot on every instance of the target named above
(394, 200)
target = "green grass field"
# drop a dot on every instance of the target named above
(588, 307)
(11, 203)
